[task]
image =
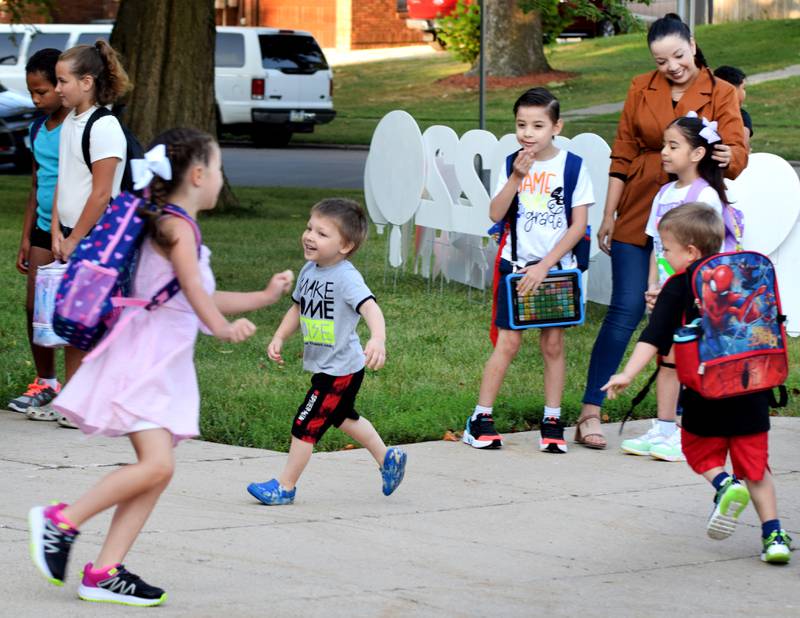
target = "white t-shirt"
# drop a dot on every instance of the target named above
(541, 220)
(74, 177)
(673, 197)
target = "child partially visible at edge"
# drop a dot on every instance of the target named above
(141, 381)
(35, 248)
(736, 78)
(688, 154)
(712, 429)
(545, 240)
(329, 299)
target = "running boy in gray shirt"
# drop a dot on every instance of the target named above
(329, 299)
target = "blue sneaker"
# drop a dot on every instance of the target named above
(271, 493)
(393, 470)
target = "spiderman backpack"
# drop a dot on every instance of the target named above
(100, 272)
(738, 344)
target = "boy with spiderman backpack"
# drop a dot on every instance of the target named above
(722, 312)
(542, 202)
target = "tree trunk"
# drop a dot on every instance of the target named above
(167, 47)
(513, 40)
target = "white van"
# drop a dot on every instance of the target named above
(269, 82)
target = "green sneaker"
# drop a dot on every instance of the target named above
(777, 548)
(669, 449)
(730, 501)
(642, 444)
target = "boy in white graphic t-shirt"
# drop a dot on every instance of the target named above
(545, 239)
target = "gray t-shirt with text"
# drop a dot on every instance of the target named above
(329, 299)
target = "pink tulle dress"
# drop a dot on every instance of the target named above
(145, 377)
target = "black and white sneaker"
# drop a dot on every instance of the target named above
(50, 543)
(480, 433)
(552, 438)
(118, 585)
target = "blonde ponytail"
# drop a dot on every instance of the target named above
(103, 63)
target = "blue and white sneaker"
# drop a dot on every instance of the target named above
(393, 470)
(271, 493)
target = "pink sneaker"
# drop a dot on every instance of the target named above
(51, 539)
(118, 585)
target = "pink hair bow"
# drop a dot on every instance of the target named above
(709, 131)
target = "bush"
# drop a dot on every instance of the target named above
(461, 31)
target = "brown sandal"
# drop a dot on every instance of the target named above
(599, 442)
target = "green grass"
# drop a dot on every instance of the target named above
(365, 92)
(437, 340)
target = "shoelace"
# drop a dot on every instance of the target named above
(34, 388)
(780, 538)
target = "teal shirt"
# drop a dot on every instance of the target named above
(45, 151)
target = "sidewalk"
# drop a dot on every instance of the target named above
(341, 57)
(469, 533)
(611, 108)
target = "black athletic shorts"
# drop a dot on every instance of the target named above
(329, 401)
(41, 239)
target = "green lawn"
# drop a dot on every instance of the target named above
(365, 92)
(437, 341)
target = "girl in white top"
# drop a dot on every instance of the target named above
(88, 76)
(687, 151)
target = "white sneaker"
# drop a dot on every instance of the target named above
(642, 444)
(669, 449)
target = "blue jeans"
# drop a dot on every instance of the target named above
(630, 266)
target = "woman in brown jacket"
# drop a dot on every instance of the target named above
(681, 82)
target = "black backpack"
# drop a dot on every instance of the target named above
(133, 150)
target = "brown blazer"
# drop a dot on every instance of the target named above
(636, 153)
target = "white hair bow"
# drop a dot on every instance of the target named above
(709, 131)
(155, 163)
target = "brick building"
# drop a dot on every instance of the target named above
(344, 24)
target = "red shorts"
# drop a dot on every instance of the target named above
(749, 454)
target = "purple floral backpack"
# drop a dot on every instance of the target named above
(100, 273)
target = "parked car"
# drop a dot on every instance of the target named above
(18, 43)
(269, 82)
(16, 114)
(423, 14)
(607, 25)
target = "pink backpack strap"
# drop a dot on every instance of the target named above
(177, 211)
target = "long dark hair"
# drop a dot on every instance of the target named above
(672, 25)
(184, 147)
(709, 170)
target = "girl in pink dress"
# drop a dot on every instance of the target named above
(141, 381)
